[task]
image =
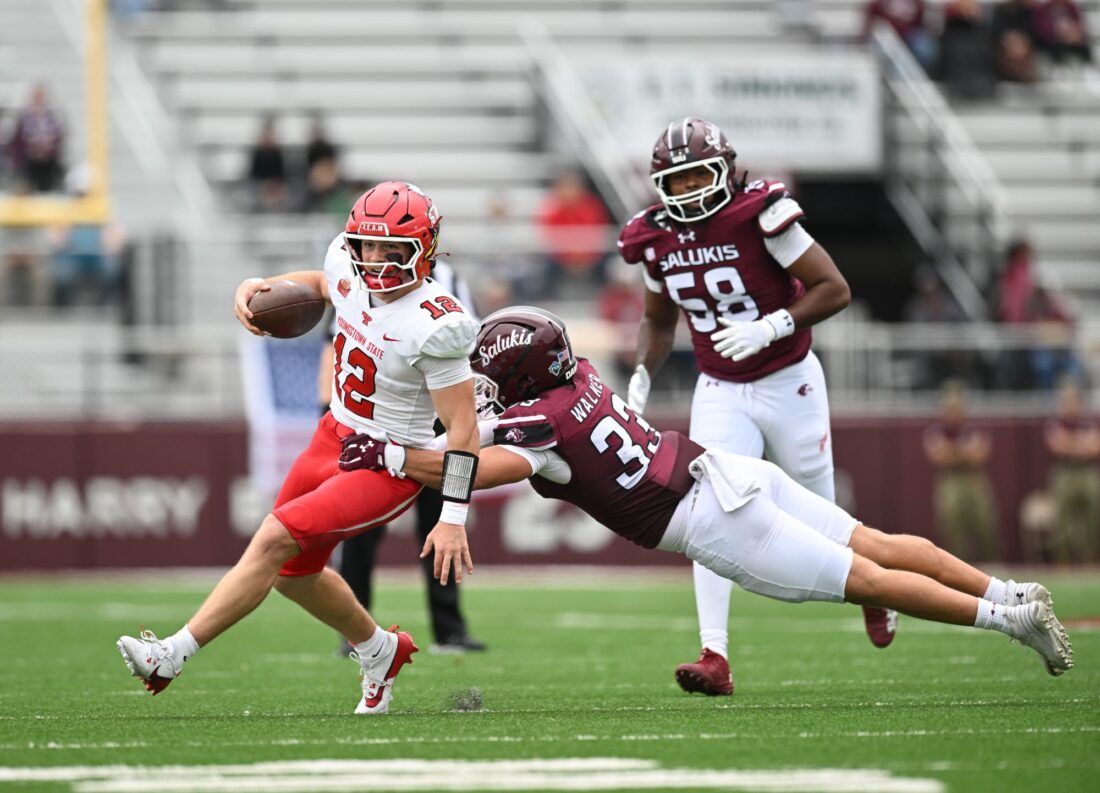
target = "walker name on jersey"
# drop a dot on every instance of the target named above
(692, 257)
(102, 506)
(589, 399)
(372, 348)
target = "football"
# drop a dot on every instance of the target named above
(287, 310)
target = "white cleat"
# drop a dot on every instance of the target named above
(1019, 594)
(379, 675)
(1034, 625)
(150, 659)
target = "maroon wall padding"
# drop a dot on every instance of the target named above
(136, 495)
(113, 495)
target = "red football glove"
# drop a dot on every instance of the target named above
(363, 451)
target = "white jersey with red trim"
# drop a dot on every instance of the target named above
(387, 356)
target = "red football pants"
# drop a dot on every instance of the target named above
(320, 505)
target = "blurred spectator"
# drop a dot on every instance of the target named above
(966, 61)
(907, 18)
(1073, 441)
(573, 224)
(325, 190)
(1022, 300)
(1061, 33)
(320, 148)
(1054, 358)
(964, 502)
(1016, 283)
(267, 174)
(85, 255)
(931, 304)
(23, 278)
(36, 142)
(1014, 41)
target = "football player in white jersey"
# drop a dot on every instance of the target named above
(400, 357)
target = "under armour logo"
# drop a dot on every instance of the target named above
(710, 383)
(687, 236)
(366, 319)
(805, 389)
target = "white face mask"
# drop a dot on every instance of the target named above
(384, 276)
(693, 206)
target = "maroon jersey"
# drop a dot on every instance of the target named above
(625, 474)
(720, 267)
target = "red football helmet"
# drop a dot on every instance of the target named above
(392, 212)
(520, 352)
(691, 143)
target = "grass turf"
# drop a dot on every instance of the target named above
(576, 669)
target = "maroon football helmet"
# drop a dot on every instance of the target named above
(692, 143)
(520, 352)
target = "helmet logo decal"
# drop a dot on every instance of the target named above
(373, 227)
(713, 136)
(561, 359)
(517, 338)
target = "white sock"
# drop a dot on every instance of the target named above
(183, 645)
(998, 590)
(712, 602)
(991, 616)
(370, 650)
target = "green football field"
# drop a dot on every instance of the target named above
(576, 693)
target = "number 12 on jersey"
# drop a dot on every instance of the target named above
(355, 390)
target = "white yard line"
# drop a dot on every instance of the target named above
(541, 739)
(457, 775)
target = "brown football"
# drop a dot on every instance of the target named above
(287, 310)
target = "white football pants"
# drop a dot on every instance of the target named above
(784, 416)
(784, 542)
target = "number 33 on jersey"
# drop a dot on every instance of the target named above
(383, 354)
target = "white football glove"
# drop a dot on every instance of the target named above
(637, 391)
(740, 340)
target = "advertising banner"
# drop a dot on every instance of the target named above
(819, 114)
(101, 496)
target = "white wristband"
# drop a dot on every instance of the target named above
(781, 321)
(454, 512)
(394, 458)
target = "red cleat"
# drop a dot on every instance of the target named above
(709, 675)
(378, 689)
(881, 624)
(149, 659)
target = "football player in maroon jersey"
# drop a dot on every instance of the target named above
(750, 281)
(746, 520)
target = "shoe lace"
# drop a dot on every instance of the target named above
(159, 648)
(370, 684)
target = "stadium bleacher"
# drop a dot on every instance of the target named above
(456, 75)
